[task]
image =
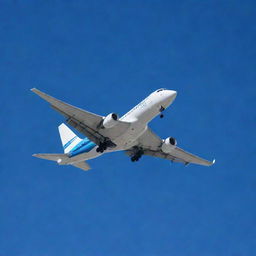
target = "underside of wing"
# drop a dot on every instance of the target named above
(149, 140)
(179, 155)
(151, 144)
(82, 120)
(85, 122)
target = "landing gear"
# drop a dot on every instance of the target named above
(135, 158)
(102, 147)
(161, 110)
(107, 143)
(138, 152)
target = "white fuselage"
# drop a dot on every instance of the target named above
(138, 117)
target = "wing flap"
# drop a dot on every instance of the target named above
(87, 131)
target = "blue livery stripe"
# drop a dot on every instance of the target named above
(69, 142)
(83, 147)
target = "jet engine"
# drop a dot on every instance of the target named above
(169, 144)
(110, 120)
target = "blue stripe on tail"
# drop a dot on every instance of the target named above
(69, 142)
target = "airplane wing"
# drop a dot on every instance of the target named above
(151, 145)
(85, 122)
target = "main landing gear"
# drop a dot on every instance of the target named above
(102, 147)
(161, 111)
(138, 152)
(107, 143)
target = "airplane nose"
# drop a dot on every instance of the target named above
(171, 94)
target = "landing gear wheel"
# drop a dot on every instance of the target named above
(134, 159)
(101, 148)
(161, 110)
(136, 154)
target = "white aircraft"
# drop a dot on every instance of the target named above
(110, 133)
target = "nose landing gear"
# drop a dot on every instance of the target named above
(161, 111)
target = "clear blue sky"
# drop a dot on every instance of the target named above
(106, 56)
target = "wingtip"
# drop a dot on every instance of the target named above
(36, 155)
(35, 90)
(38, 92)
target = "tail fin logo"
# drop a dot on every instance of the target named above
(68, 138)
(69, 142)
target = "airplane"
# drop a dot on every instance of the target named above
(105, 134)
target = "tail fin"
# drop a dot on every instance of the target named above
(68, 138)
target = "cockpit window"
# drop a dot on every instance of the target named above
(159, 90)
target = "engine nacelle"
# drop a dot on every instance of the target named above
(168, 145)
(110, 120)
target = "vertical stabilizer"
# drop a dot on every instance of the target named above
(68, 138)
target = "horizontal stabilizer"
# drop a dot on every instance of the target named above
(59, 158)
(82, 165)
(62, 160)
